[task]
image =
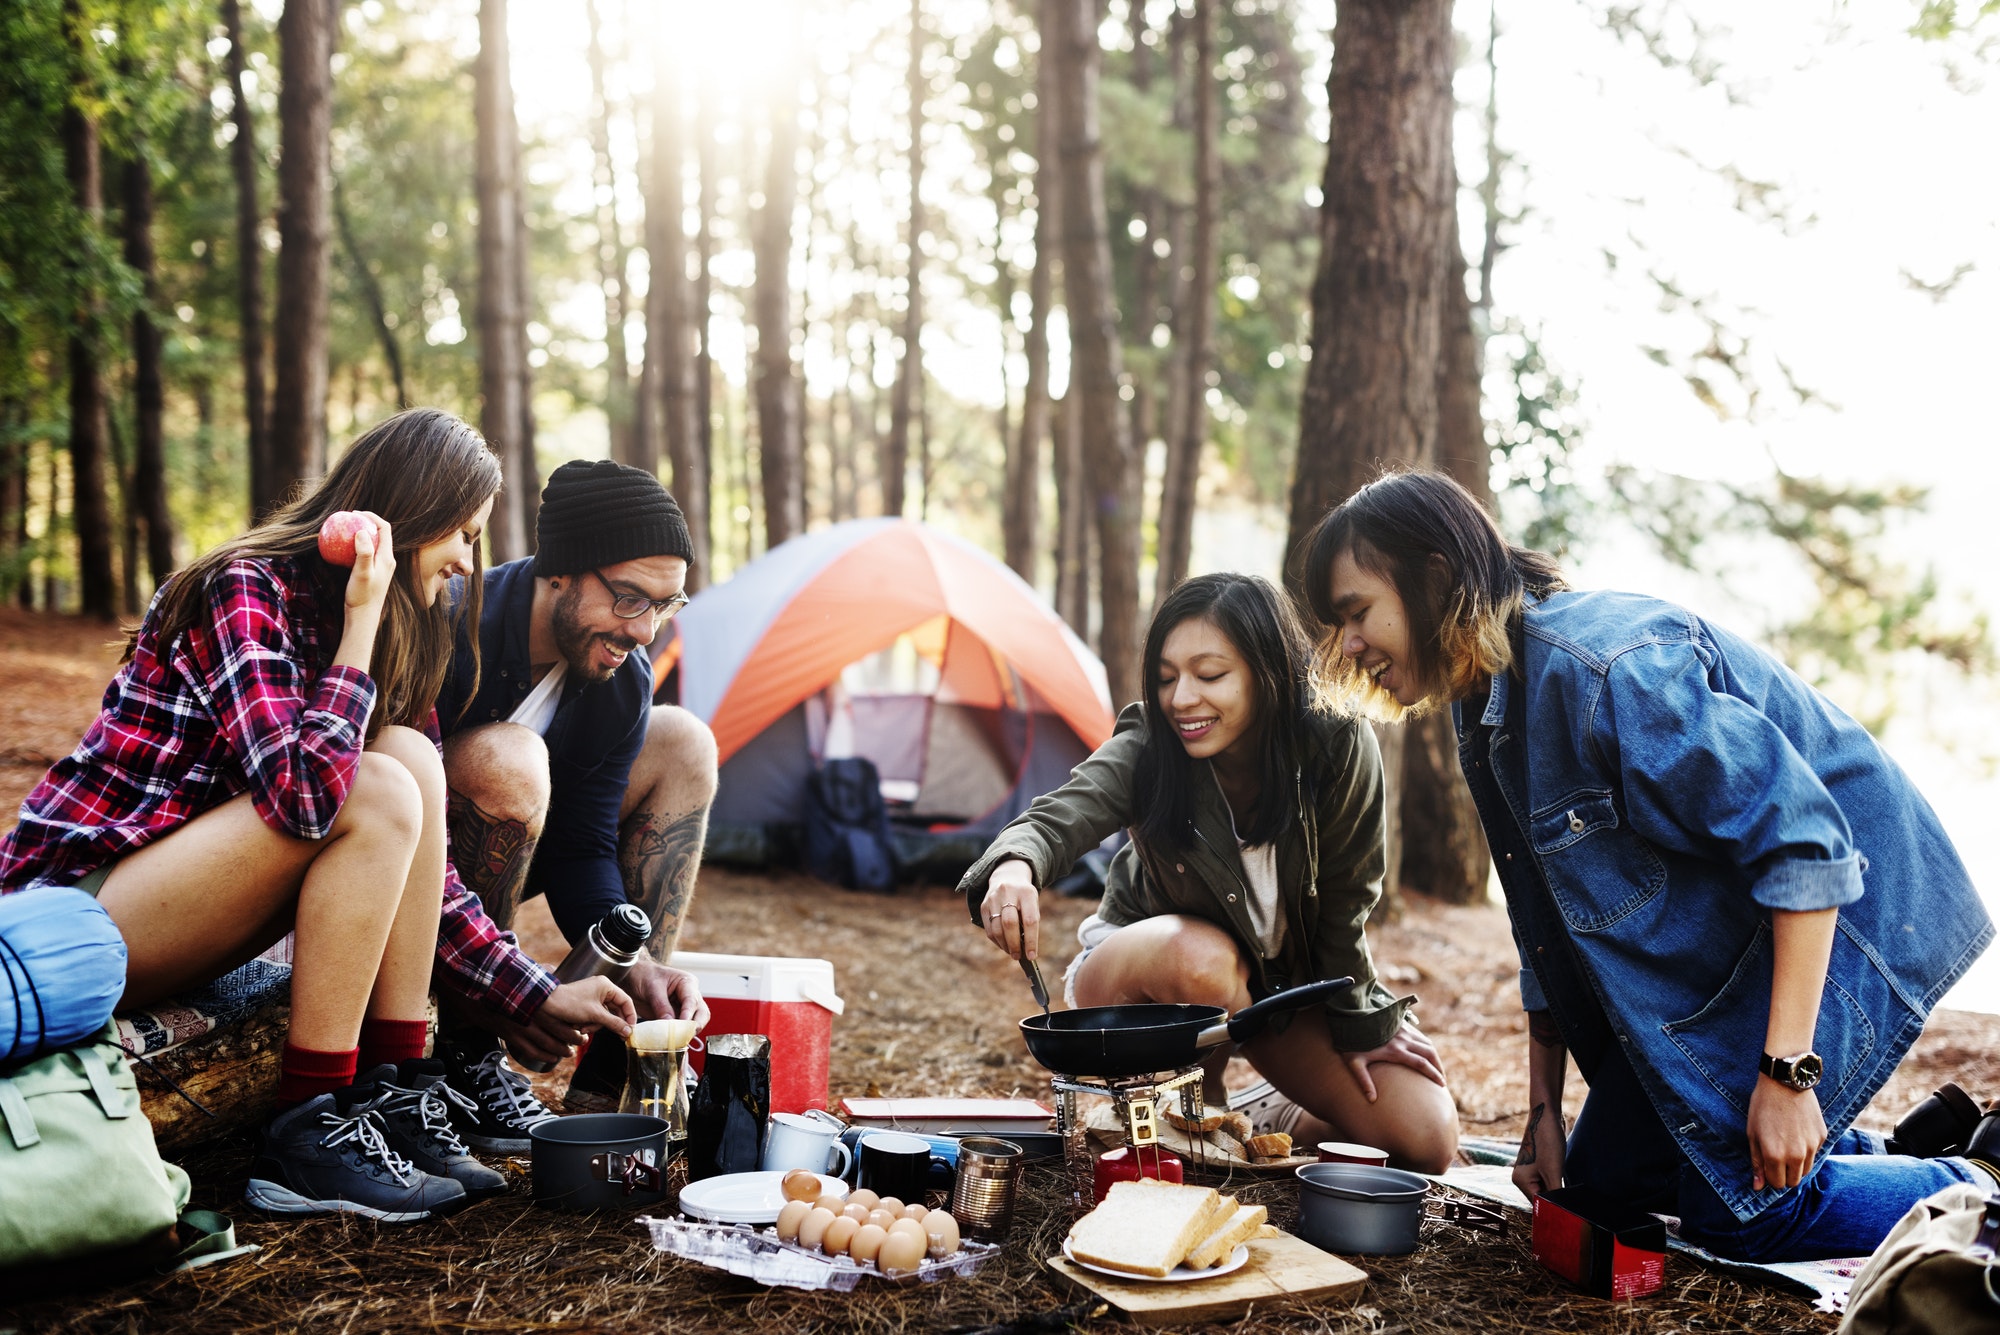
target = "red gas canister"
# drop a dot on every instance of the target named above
(790, 1001)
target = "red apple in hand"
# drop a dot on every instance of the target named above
(336, 535)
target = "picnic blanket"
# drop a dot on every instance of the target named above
(1490, 1177)
(222, 1004)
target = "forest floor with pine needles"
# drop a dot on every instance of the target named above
(931, 1009)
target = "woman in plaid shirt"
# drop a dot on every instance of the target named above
(266, 762)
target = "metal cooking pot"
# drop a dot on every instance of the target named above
(598, 1160)
(1359, 1209)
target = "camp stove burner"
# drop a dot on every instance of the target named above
(1139, 1100)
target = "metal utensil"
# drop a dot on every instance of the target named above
(1141, 1038)
(1033, 969)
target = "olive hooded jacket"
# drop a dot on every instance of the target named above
(1330, 864)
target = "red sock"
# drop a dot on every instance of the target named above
(393, 1041)
(305, 1074)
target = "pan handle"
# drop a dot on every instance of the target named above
(1249, 1022)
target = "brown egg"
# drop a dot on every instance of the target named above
(838, 1235)
(812, 1230)
(901, 1254)
(911, 1228)
(866, 1244)
(942, 1232)
(856, 1211)
(801, 1184)
(790, 1218)
(863, 1196)
(914, 1211)
(891, 1204)
(881, 1218)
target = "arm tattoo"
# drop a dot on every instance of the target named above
(491, 854)
(1542, 1027)
(659, 856)
(1527, 1155)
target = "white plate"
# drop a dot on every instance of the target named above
(1236, 1260)
(745, 1198)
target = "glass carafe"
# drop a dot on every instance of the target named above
(654, 1086)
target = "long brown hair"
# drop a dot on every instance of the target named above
(424, 471)
(1461, 582)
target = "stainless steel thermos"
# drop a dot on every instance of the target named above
(609, 949)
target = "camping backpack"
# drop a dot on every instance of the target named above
(847, 827)
(1937, 1273)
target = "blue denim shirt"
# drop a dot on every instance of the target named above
(1653, 787)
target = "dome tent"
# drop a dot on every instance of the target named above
(892, 640)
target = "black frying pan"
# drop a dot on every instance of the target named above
(1114, 1041)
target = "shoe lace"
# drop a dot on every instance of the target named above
(362, 1133)
(433, 1111)
(508, 1095)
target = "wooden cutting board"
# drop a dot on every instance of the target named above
(1280, 1269)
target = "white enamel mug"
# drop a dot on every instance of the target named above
(805, 1142)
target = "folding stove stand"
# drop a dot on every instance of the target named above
(1138, 1100)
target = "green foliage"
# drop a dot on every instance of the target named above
(1533, 426)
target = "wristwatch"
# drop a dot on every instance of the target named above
(1800, 1072)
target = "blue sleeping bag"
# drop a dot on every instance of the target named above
(62, 969)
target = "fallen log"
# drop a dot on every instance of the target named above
(222, 1082)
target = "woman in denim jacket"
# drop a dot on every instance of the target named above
(1731, 906)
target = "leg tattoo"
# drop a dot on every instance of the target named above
(659, 855)
(491, 855)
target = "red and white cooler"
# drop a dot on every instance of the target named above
(790, 1001)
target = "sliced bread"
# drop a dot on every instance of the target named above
(1144, 1227)
(1240, 1225)
(1211, 1119)
(1276, 1145)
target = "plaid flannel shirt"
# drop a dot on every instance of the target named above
(246, 703)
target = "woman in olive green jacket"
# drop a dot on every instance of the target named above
(1257, 852)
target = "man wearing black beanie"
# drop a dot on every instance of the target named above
(565, 779)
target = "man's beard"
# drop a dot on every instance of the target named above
(578, 644)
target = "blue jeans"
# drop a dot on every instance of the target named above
(1619, 1146)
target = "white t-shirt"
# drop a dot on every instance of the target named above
(1260, 868)
(539, 709)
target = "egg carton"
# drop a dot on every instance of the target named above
(759, 1254)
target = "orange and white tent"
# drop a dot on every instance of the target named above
(892, 640)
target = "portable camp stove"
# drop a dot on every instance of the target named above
(1139, 1100)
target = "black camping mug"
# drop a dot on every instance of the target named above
(598, 1160)
(894, 1163)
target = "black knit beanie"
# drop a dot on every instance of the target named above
(598, 513)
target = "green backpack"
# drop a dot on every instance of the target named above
(79, 1173)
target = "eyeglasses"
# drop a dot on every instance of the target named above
(632, 606)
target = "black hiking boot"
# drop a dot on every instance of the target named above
(1940, 1125)
(499, 1106)
(331, 1155)
(415, 1105)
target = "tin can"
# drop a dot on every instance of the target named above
(982, 1196)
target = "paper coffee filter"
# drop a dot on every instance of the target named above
(661, 1035)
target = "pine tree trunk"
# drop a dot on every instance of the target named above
(909, 373)
(1022, 502)
(90, 508)
(264, 493)
(502, 323)
(1444, 846)
(306, 35)
(704, 358)
(778, 429)
(1191, 422)
(371, 295)
(1371, 393)
(669, 399)
(529, 496)
(149, 471)
(1096, 358)
(619, 410)
(1072, 516)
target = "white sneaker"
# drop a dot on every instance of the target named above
(1268, 1110)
